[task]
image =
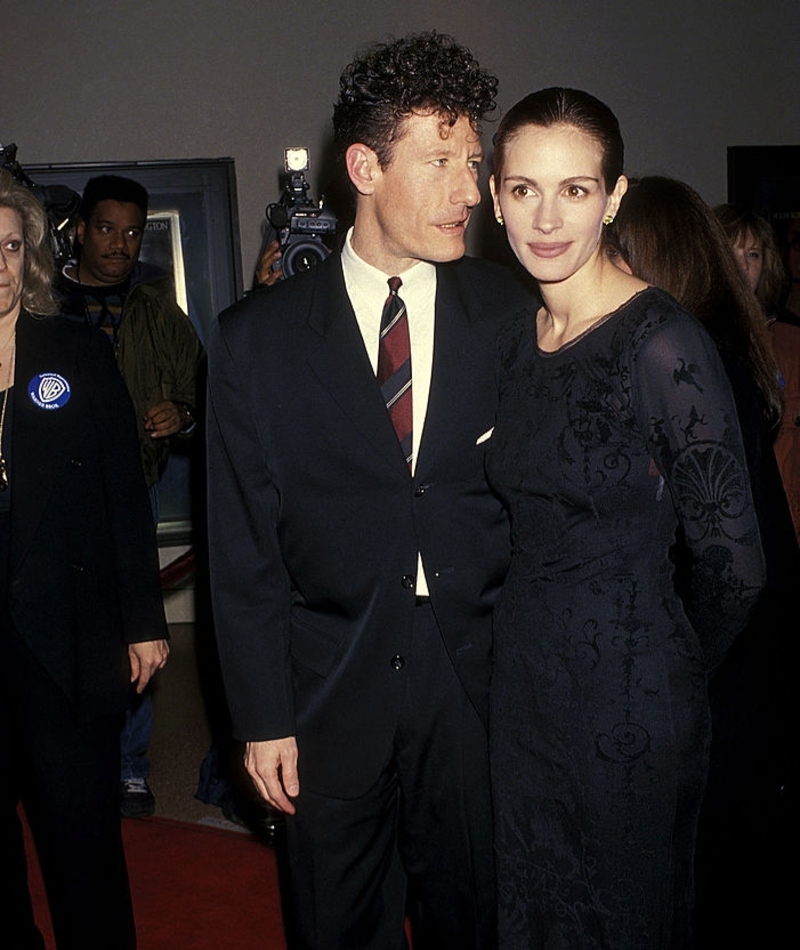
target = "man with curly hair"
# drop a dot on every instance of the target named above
(354, 577)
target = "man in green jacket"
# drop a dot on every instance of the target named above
(158, 354)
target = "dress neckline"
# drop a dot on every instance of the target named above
(590, 329)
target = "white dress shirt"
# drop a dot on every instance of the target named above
(368, 289)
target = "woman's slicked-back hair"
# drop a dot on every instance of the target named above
(558, 105)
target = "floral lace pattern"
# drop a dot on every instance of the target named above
(599, 726)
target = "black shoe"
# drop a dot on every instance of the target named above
(258, 817)
(136, 800)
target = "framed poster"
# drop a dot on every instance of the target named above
(192, 232)
(162, 247)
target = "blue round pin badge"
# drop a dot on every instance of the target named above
(49, 391)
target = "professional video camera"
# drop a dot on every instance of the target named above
(299, 223)
(59, 202)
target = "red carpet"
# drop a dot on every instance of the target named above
(194, 888)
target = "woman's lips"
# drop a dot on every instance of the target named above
(549, 249)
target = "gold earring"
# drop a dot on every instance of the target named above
(608, 219)
(500, 220)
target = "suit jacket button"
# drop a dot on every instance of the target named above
(420, 490)
(76, 463)
(408, 581)
(397, 662)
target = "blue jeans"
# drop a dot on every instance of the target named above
(135, 738)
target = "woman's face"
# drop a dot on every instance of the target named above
(12, 260)
(552, 199)
(750, 257)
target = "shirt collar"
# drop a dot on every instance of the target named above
(359, 273)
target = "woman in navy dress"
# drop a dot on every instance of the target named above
(616, 428)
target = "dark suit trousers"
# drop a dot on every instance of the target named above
(418, 842)
(66, 774)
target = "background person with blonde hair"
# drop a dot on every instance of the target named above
(80, 604)
(753, 241)
(756, 252)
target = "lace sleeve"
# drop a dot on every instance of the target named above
(683, 397)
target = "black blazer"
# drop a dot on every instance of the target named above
(315, 521)
(83, 562)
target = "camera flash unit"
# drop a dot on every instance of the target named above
(295, 159)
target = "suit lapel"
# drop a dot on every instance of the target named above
(338, 358)
(451, 378)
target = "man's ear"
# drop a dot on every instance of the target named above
(362, 167)
(80, 230)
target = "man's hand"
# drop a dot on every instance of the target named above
(265, 274)
(272, 765)
(146, 658)
(164, 419)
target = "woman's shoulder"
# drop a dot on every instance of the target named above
(653, 308)
(664, 341)
(51, 325)
(653, 315)
(58, 340)
(517, 332)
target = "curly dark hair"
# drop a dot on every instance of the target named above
(114, 188)
(421, 72)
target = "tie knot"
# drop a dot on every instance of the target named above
(395, 283)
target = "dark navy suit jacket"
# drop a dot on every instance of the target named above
(315, 520)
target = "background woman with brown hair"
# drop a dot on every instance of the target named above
(754, 244)
(756, 252)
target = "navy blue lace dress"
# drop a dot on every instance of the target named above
(599, 720)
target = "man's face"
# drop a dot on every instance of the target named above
(419, 205)
(110, 242)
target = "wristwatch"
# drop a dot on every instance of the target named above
(188, 421)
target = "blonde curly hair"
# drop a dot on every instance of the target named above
(37, 274)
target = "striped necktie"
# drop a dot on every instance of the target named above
(394, 366)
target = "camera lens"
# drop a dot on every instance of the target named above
(302, 256)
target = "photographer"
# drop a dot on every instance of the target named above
(159, 356)
(267, 273)
(294, 239)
